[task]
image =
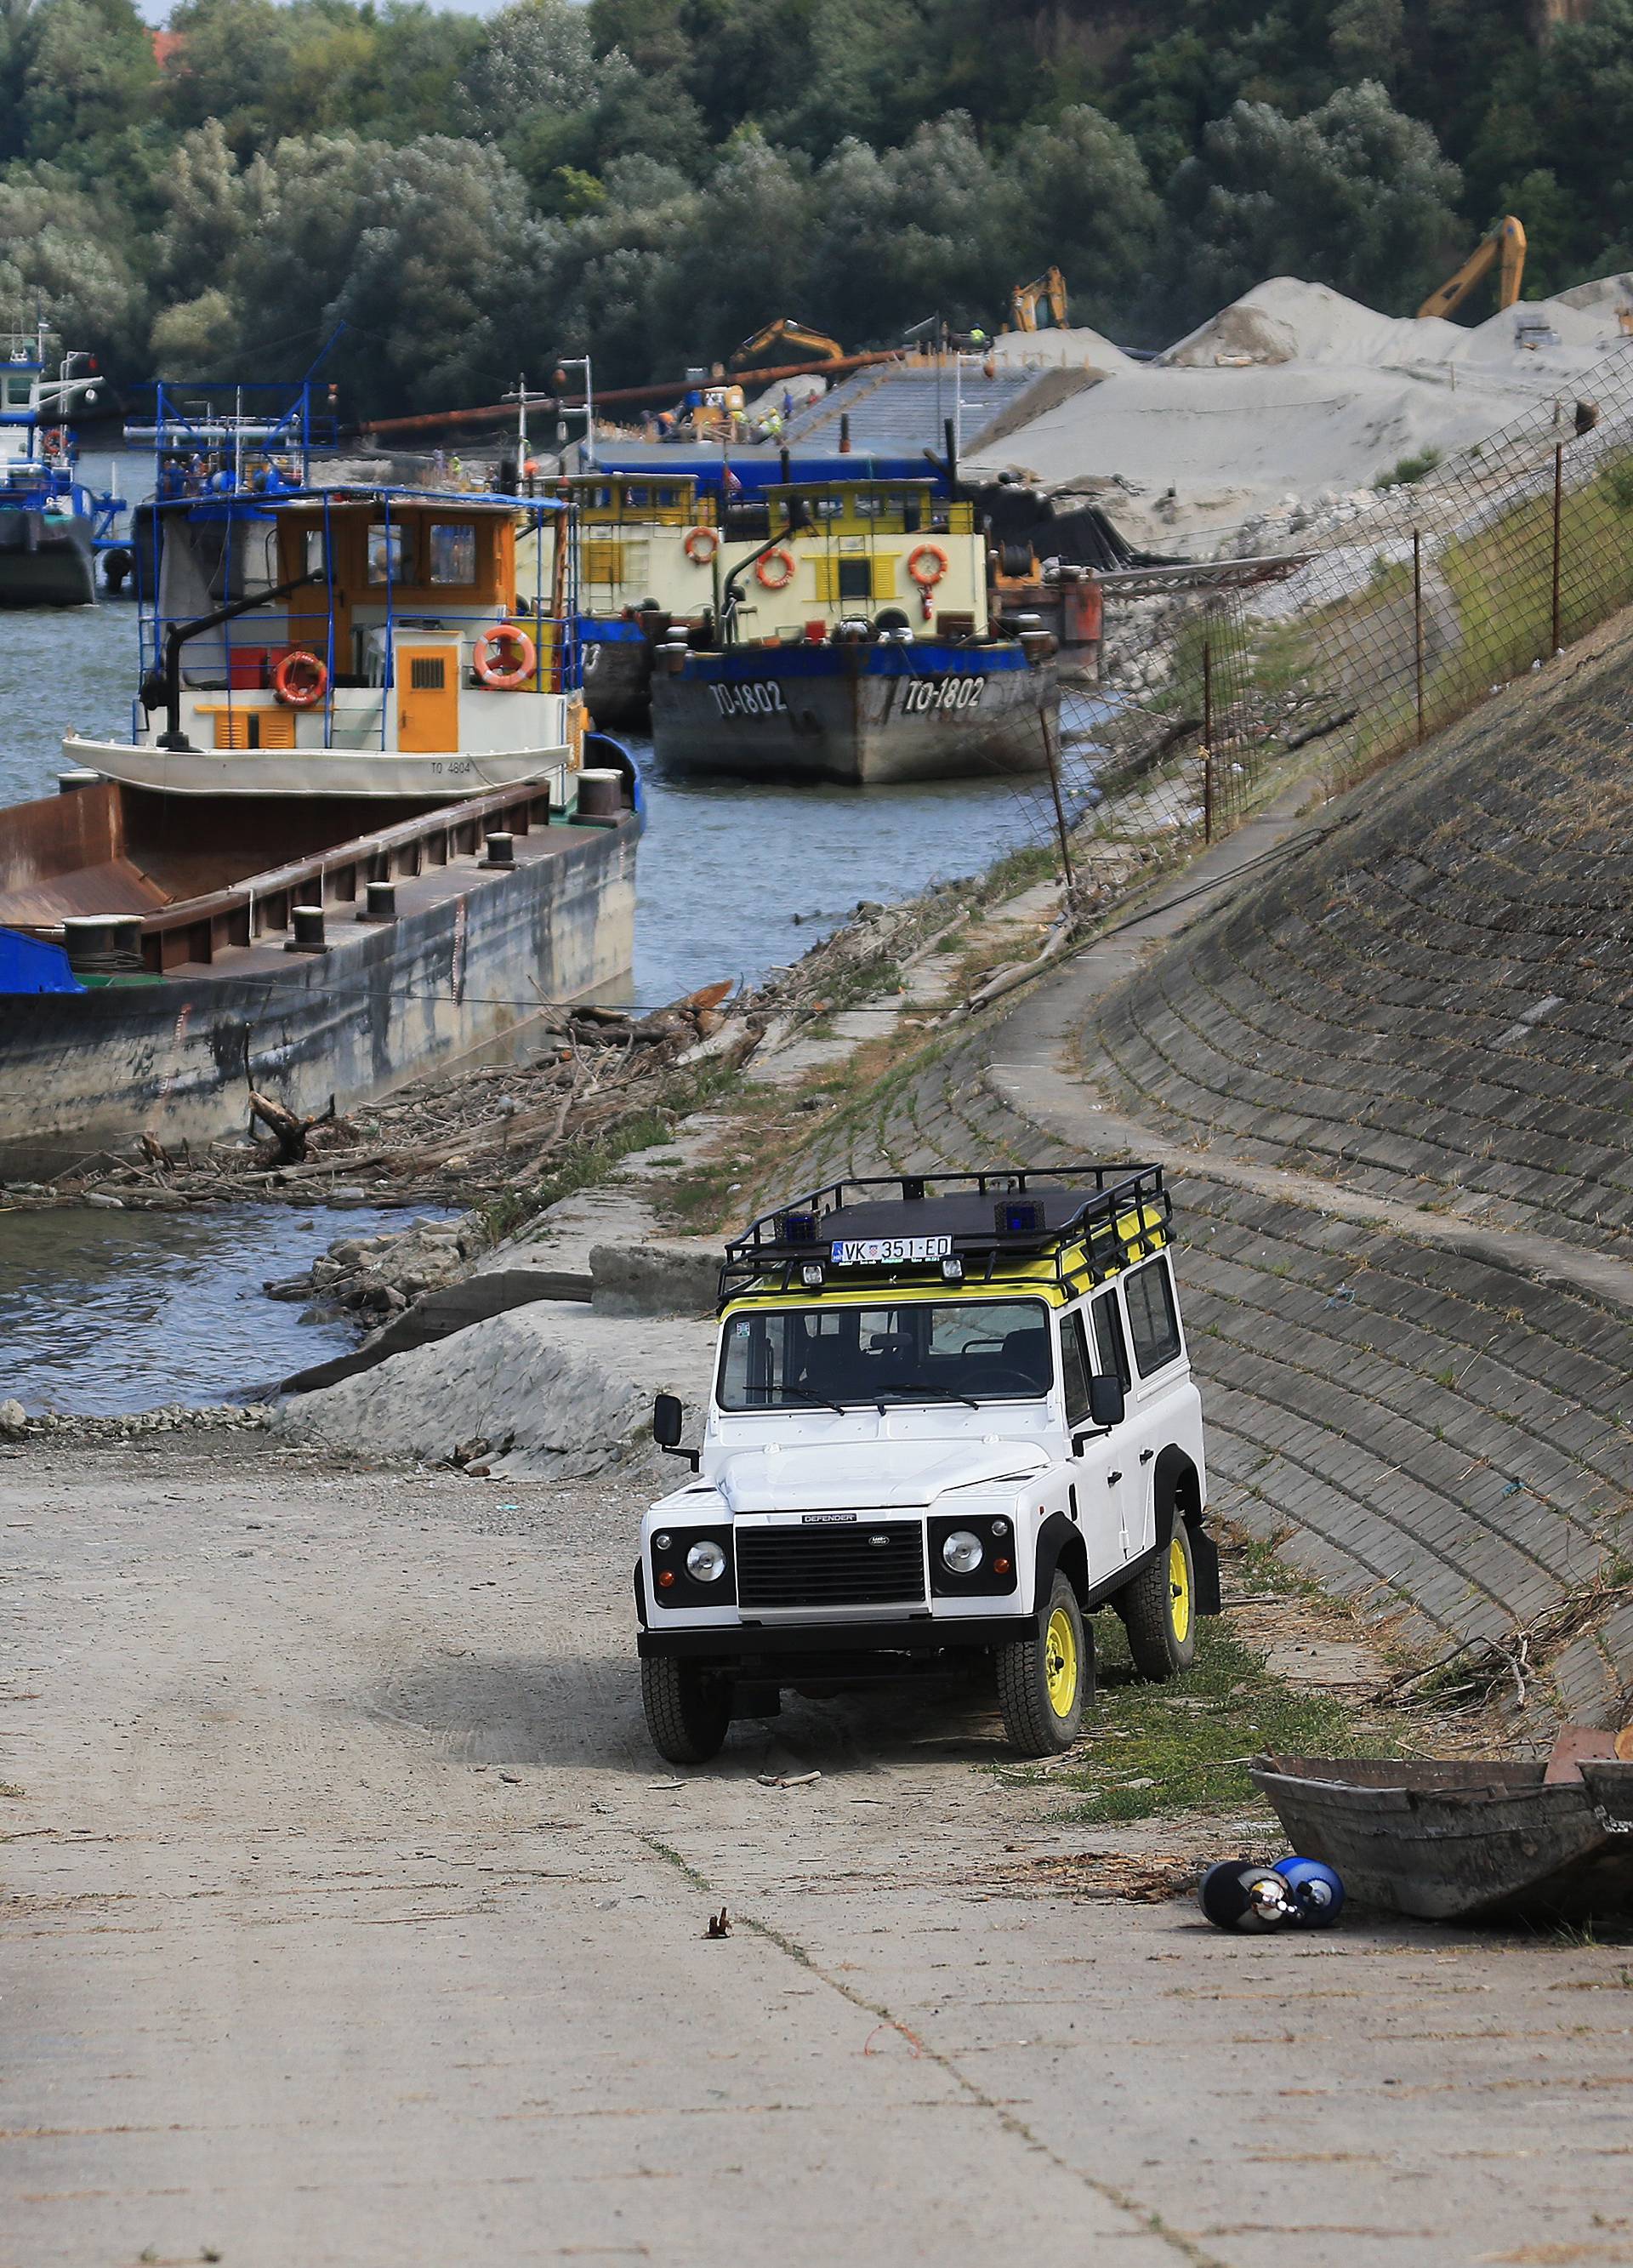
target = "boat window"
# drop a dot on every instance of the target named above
(637, 496)
(388, 554)
(1153, 1323)
(828, 508)
(856, 578)
(868, 507)
(453, 552)
(920, 1350)
(315, 556)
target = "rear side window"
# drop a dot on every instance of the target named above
(1153, 1322)
(1111, 1356)
(1074, 1369)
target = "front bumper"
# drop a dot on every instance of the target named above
(915, 1634)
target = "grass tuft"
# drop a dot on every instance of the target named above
(1189, 1741)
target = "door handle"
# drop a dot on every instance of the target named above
(1112, 1479)
(1147, 1456)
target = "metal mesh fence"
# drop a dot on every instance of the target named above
(1222, 682)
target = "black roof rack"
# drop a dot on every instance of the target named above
(896, 1228)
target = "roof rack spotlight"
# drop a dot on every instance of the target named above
(811, 1274)
(951, 1268)
(1019, 1217)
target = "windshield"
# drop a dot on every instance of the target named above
(912, 1350)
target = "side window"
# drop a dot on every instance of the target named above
(388, 553)
(453, 552)
(1153, 1319)
(1074, 1367)
(1111, 1355)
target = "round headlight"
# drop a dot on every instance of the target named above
(705, 1563)
(960, 1554)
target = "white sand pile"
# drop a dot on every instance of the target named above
(553, 1387)
(1296, 390)
(1078, 348)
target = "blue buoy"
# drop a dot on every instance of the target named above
(1315, 1890)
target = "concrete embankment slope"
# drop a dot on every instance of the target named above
(1391, 1070)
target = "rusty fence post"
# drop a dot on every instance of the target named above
(1559, 480)
(1417, 623)
(1207, 738)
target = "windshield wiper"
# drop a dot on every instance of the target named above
(927, 1393)
(811, 1395)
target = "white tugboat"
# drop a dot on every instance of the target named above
(359, 825)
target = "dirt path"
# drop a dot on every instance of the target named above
(350, 1921)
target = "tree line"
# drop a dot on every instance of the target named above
(652, 179)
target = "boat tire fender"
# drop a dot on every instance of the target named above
(503, 638)
(299, 677)
(700, 545)
(927, 565)
(780, 558)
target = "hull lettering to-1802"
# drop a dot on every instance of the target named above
(749, 700)
(942, 693)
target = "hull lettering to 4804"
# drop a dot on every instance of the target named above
(942, 693)
(749, 700)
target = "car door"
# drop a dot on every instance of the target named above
(1119, 1473)
(1154, 1349)
(1099, 1479)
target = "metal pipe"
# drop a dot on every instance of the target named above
(1559, 476)
(173, 737)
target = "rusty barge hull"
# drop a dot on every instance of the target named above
(223, 1004)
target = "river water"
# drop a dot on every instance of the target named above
(106, 1312)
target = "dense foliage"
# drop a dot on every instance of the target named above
(654, 179)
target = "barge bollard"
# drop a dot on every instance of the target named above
(500, 849)
(308, 923)
(379, 903)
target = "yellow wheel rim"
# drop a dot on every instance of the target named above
(1179, 1591)
(1060, 1662)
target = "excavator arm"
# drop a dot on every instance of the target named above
(1504, 249)
(817, 344)
(1026, 299)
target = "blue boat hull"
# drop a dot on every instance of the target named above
(862, 715)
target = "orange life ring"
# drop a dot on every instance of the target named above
(300, 680)
(53, 441)
(700, 545)
(485, 660)
(927, 565)
(780, 557)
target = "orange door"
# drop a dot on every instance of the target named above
(428, 699)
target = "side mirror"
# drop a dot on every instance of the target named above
(668, 1417)
(1105, 1400)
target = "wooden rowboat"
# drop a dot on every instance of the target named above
(1464, 1842)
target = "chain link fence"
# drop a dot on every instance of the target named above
(1222, 682)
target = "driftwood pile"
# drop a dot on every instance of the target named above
(503, 1128)
(487, 1128)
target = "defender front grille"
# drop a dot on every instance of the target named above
(878, 1562)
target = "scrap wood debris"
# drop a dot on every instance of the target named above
(1146, 1878)
(495, 1128)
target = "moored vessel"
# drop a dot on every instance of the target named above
(858, 643)
(50, 521)
(359, 825)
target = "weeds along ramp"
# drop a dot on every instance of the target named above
(1427, 1403)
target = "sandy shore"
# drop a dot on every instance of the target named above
(350, 1920)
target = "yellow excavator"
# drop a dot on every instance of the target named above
(1504, 249)
(808, 345)
(1027, 298)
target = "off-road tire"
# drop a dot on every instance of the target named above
(1158, 1609)
(688, 1708)
(1035, 1725)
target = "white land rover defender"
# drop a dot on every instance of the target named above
(949, 1413)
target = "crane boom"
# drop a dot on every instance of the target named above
(1504, 249)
